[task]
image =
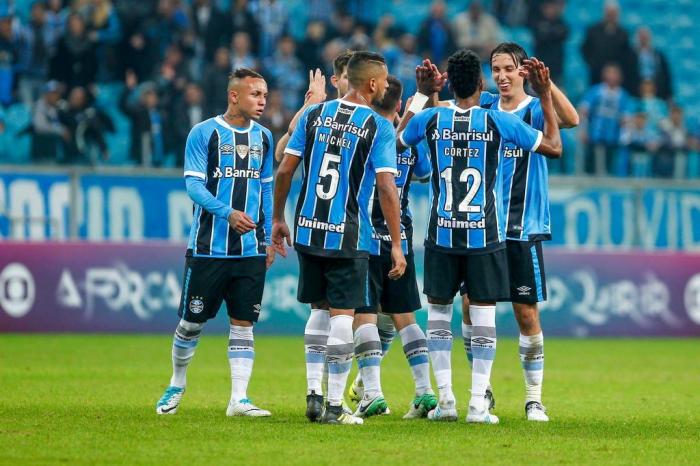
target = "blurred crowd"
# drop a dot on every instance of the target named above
(172, 58)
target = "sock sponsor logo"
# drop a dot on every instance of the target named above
(482, 341)
(196, 304)
(440, 333)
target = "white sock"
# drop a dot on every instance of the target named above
(532, 360)
(368, 351)
(440, 347)
(483, 351)
(467, 335)
(340, 349)
(241, 355)
(415, 347)
(184, 344)
(387, 332)
(315, 338)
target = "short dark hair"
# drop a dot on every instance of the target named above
(358, 64)
(464, 72)
(341, 62)
(242, 73)
(516, 52)
(392, 96)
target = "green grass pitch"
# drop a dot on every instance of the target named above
(90, 400)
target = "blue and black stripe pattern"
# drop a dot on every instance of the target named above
(464, 144)
(234, 162)
(524, 178)
(342, 146)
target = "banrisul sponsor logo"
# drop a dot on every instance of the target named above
(230, 172)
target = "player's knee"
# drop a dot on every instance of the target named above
(439, 301)
(364, 318)
(240, 323)
(403, 320)
(527, 316)
(323, 305)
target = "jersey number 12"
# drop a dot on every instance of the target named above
(472, 189)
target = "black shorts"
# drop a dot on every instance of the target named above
(342, 282)
(526, 272)
(526, 268)
(394, 296)
(210, 281)
(483, 276)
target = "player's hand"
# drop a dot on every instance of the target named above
(538, 74)
(317, 87)
(270, 251)
(241, 222)
(398, 263)
(429, 79)
(280, 234)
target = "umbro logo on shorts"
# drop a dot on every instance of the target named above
(524, 290)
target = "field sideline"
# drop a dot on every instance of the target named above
(90, 400)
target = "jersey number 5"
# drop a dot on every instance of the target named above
(472, 190)
(329, 168)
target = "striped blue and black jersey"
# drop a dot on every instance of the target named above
(524, 177)
(342, 146)
(235, 165)
(409, 164)
(466, 209)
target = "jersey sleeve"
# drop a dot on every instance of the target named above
(516, 131)
(537, 116)
(414, 131)
(196, 154)
(422, 168)
(297, 142)
(382, 155)
(487, 99)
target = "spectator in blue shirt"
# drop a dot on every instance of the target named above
(603, 111)
(435, 38)
(640, 143)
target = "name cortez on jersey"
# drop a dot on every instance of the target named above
(319, 225)
(230, 172)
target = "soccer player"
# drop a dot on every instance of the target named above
(344, 145)
(526, 204)
(395, 299)
(466, 234)
(318, 323)
(228, 172)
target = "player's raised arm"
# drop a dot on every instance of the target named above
(314, 95)
(567, 116)
(550, 145)
(429, 81)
